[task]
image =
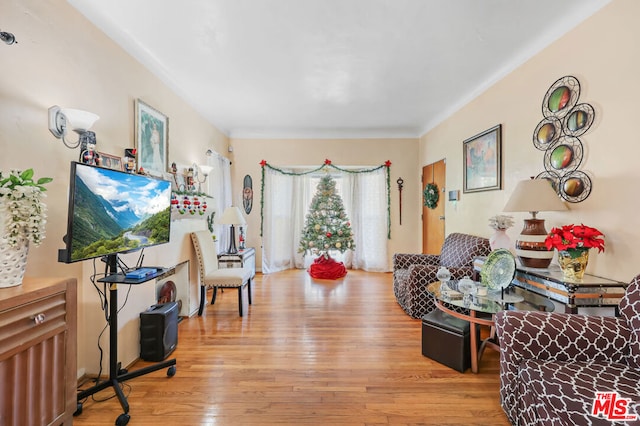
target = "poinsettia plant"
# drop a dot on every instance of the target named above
(574, 237)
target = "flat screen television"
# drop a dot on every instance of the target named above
(113, 212)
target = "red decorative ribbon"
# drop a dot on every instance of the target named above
(327, 268)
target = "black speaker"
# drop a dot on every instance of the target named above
(158, 331)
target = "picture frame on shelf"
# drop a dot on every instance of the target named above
(482, 166)
(109, 161)
(152, 137)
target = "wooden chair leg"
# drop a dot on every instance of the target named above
(213, 296)
(249, 289)
(240, 300)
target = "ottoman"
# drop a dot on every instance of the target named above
(446, 339)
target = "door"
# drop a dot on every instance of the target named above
(433, 219)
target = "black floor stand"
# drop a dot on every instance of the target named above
(116, 375)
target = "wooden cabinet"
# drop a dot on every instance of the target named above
(38, 344)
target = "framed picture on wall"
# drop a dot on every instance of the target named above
(482, 161)
(152, 137)
(110, 161)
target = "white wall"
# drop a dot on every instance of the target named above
(602, 54)
(62, 59)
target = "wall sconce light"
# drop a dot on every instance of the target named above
(63, 119)
(8, 37)
(205, 171)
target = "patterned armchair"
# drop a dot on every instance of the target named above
(413, 272)
(552, 366)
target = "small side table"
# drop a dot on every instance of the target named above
(241, 259)
(482, 305)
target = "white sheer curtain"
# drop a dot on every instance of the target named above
(286, 203)
(277, 215)
(220, 189)
(365, 201)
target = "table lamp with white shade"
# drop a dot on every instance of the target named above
(232, 216)
(534, 195)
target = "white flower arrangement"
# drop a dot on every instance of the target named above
(501, 221)
(21, 202)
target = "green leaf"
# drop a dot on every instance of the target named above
(44, 180)
(27, 174)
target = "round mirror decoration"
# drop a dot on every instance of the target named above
(557, 135)
(564, 157)
(561, 97)
(546, 133)
(579, 120)
(561, 156)
(575, 187)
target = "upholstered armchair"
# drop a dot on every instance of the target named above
(553, 365)
(413, 272)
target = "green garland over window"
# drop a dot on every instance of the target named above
(327, 163)
(431, 195)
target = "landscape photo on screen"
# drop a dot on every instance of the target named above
(117, 212)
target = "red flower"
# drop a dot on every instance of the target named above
(387, 163)
(327, 161)
(328, 234)
(263, 163)
(574, 236)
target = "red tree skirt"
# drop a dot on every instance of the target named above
(327, 269)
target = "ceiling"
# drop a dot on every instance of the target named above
(332, 68)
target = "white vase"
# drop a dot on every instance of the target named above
(500, 239)
(13, 260)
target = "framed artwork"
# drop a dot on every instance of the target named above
(482, 161)
(110, 161)
(152, 137)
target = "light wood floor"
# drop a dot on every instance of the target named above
(306, 352)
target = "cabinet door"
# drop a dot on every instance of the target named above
(35, 365)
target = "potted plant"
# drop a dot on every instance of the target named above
(22, 221)
(573, 243)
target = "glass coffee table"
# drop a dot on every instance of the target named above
(482, 309)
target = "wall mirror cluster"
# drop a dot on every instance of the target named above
(565, 120)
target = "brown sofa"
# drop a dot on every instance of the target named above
(553, 365)
(413, 272)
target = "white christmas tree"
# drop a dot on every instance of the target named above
(326, 226)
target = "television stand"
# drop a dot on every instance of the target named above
(116, 375)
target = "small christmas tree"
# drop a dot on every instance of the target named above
(326, 226)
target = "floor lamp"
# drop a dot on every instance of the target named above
(232, 216)
(533, 196)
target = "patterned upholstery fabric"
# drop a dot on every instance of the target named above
(552, 364)
(413, 272)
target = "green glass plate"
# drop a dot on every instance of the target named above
(498, 270)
